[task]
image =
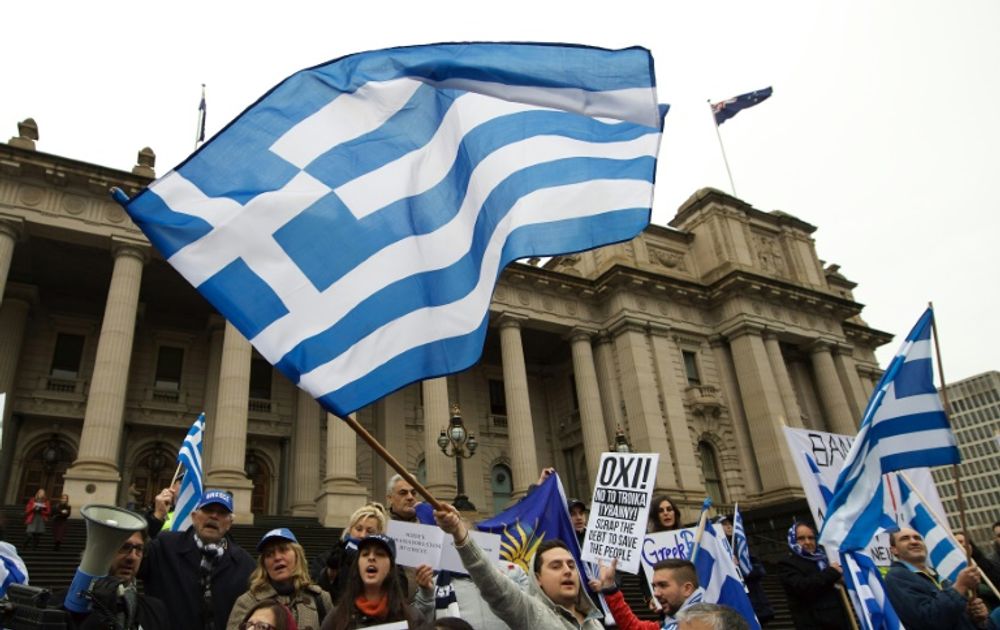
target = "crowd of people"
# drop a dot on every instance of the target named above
(200, 578)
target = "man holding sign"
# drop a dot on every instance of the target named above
(675, 586)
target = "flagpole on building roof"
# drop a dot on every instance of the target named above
(199, 136)
(718, 134)
(956, 474)
(392, 461)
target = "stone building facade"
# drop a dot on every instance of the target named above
(698, 340)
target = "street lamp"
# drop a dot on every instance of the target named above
(463, 446)
(621, 444)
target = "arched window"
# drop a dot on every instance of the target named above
(502, 485)
(422, 471)
(710, 471)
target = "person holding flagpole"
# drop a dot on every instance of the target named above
(811, 580)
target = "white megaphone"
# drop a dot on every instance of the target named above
(108, 527)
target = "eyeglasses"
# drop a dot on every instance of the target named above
(128, 548)
(256, 625)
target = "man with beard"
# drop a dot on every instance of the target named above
(675, 587)
(198, 573)
(922, 599)
(115, 601)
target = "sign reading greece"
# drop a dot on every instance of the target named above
(619, 508)
(675, 544)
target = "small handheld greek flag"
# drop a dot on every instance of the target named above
(741, 547)
(193, 485)
(353, 222)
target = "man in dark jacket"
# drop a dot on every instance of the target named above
(921, 598)
(198, 573)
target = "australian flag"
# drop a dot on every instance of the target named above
(724, 110)
(353, 222)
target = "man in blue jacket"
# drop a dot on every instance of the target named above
(922, 599)
(198, 573)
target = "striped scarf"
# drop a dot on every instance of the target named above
(211, 553)
(669, 623)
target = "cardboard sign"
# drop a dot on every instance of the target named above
(489, 543)
(416, 543)
(656, 546)
(620, 508)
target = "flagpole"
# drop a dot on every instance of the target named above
(199, 135)
(943, 524)
(392, 461)
(956, 473)
(701, 532)
(725, 160)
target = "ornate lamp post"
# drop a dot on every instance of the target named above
(621, 445)
(463, 446)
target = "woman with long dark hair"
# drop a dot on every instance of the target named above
(664, 515)
(282, 575)
(375, 594)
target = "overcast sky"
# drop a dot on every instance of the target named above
(881, 131)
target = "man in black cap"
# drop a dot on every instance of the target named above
(578, 514)
(200, 572)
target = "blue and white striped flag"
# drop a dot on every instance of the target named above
(193, 485)
(718, 576)
(904, 426)
(824, 491)
(352, 223)
(12, 567)
(741, 547)
(867, 591)
(943, 552)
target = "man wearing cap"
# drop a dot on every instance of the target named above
(198, 573)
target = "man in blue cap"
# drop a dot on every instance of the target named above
(198, 573)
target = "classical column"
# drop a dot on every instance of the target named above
(10, 230)
(217, 328)
(831, 391)
(440, 469)
(667, 359)
(640, 391)
(604, 363)
(588, 398)
(341, 493)
(229, 442)
(94, 476)
(13, 319)
(763, 407)
(521, 432)
(847, 369)
(727, 377)
(305, 455)
(793, 415)
(390, 429)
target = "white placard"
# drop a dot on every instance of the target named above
(489, 543)
(656, 546)
(392, 625)
(619, 508)
(416, 543)
(828, 451)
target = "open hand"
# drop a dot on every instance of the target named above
(425, 577)
(605, 576)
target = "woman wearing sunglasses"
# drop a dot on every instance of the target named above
(282, 575)
(375, 593)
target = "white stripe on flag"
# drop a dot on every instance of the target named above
(920, 350)
(465, 315)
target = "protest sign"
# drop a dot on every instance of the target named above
(416, 544)
(656, 546)
(819, 457)
(489, 543)
(619, 508)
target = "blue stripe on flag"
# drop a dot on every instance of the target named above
(243, 297)
(192, 485)
(914, 377)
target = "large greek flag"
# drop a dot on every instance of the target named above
(193, 486)
(904, 426)
(943, 552)
(352, 223)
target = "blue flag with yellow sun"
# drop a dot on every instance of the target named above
(541, 515)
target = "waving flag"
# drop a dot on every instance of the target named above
(867, 591)
(352, 223)
(824, 491)
(741, 547)
(718, 576)
(193, 485)
(724, 110)
(904, 426)
(943, 551)
(12, 567)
